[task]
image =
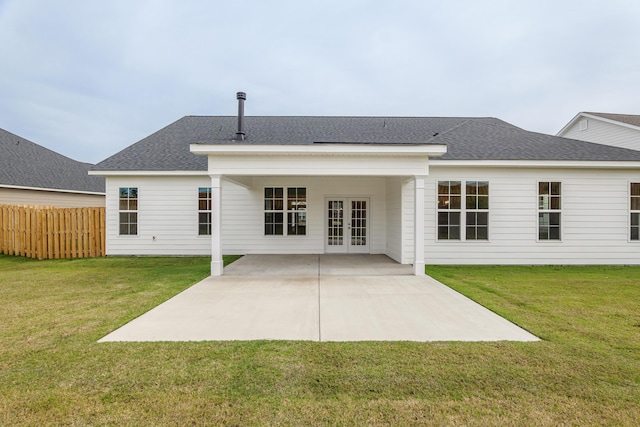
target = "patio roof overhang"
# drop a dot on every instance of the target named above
(319, 159)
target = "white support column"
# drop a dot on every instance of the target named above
(418, 226)
(216, 225)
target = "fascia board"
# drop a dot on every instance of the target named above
(147, 173)
(559, 164)
(321, 149)
(55, 190)
(570, 124)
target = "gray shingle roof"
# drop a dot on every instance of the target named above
(630, 119)
(26, 164)
(466, 139)
(483, 140)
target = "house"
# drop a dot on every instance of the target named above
(33, 175)
(421, 190)
(618, 130)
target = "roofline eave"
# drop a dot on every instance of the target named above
(431, 150)
(558, 164)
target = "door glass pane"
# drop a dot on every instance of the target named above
(359, 223)
(335, 216)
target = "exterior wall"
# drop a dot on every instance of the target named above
(243, 215)
(408, 188)
(393, 210)
(605, 133)
(594, 218)
(168, 211)
(167, 216)
(16, 196)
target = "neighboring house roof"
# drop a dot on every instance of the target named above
(629, 119)
(626, 120)
(26, 164)
(466, 139)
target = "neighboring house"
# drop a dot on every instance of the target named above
(418, 189)
(33, 175)
(618, 130)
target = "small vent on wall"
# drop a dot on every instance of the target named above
(584, 124)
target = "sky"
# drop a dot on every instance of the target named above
(87, 78)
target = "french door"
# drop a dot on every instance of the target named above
(347, 225)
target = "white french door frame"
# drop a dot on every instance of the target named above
(347, 226)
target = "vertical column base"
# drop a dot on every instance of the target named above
(216, 267)
(418, 268)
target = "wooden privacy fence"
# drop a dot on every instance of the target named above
(49, 232)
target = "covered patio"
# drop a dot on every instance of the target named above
(400, 168)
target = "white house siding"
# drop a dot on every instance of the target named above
(408, 187)
(167, 216)
(602, 132)
(243, 214)
(16, 196)
(594, 219)
(394, 218)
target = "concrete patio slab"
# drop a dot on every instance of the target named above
(406, 308)
(319, 298)
(274, 265)
(231, 308)
(362, 265)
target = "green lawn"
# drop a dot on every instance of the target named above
(586, 371)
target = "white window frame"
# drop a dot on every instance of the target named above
(207, 200)
(633, 212)
(287, 209)
(463, 210)
(128, 210)
(549, 210)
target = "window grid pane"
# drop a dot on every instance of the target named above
(477, 226)
(128, 206)
(288, 204)
(634, 232)
(204, 211)
(549, 226)
(297, 207)
(477, 205)
(335, 223)
(635, 226)
(449, 206)
(549, 203)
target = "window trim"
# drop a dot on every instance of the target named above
(136, 211)
(209, 201)
(285, 211)
(631, 212)
(549, 210)
(463, 210)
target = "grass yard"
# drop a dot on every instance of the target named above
(586, 371)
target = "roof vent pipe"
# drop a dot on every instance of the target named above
(240, 134)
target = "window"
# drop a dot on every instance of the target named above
(273, 211)
(297, 211)
(449, 208)
(549, 205)
(470, 202)
(477, 204)
(204, 211)
(635, 211)
(285, 203)
(128, 211)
